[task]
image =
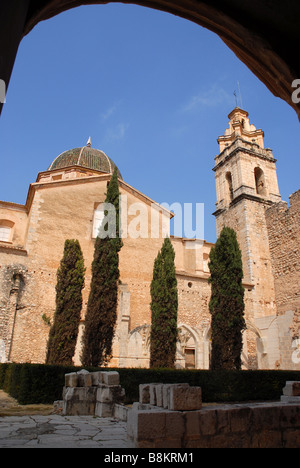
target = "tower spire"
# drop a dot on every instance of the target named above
(89, 142)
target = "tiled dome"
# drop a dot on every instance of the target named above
(86, 156)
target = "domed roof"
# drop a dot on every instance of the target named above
(87, 157)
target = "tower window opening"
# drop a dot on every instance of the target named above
(229, 185)
(260, 184)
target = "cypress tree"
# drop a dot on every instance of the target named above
(101, 313)
(70, 282)
(164, 308)
(227, 302)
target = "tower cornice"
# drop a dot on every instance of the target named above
(240, 144)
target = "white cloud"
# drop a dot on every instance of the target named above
(110, 111)
(211, 97)
(117, 132)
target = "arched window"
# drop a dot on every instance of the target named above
(229, 186)
(6, 230)
(4, 233)
(260, 184)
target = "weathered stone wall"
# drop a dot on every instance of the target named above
(283, 225)
(247, 218)
(261, 425)
(58, 211)
(23, 329)
(172, 416)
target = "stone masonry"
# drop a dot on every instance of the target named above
(248, 200)
(283, 224)
(92, 393)
(178, 423)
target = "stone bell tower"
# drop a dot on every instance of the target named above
(246, 184)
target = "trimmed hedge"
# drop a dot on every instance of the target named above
(33, 383)
(40, 383)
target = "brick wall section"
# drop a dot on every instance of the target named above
(283, 224)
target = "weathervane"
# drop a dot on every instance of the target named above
(240, 97)
(236, 103)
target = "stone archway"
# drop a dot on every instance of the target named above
(262, 34)
(254, 355)
(189, 347)
(138, 347)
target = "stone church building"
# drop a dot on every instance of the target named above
(66, 202)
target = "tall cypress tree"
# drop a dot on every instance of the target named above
(227, 302)
(70, 282)
(164, 308)
(101, 313)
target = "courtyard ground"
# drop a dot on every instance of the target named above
(36, 426)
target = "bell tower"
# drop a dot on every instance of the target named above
(244, 169)
(246, 184)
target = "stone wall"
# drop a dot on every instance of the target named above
(57, 211)
(283, 225)
(259, 425)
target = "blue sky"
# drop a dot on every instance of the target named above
(152, 90)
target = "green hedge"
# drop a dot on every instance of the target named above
(39, 383)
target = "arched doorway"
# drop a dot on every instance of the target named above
(189, 350)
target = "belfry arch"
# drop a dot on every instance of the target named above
(262, 35)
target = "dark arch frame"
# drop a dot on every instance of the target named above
(261, 33)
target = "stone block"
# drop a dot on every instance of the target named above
(144, 393)
(265, 417)
(111, 378)
(208, 422)
(97, 378)
(146, 425)
(104, 395)
(159, 394)
(110, 394)
(151, 425)
(80, 401)
(239, 420)
(104, 410)
(175, 424)
(71, 380)
(292, 388)
(120, 412)
(152, 394)
(223, 424)
(132, 421)
(290, 399)
(155, 391)
(266, 439)
(58, 407)
(185, 398)
(84, 379)
(192, 419)
(83, 372)
(290, 416)
(166, 393)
